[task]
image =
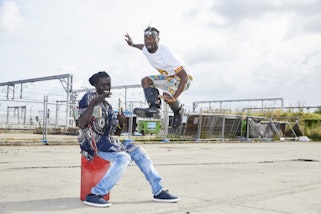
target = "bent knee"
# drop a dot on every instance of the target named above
(146, 81)
(123, 158)
(139, 154)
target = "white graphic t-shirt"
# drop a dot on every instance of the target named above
(164, 60)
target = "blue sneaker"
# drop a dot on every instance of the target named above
(164, 196)
(96, 201)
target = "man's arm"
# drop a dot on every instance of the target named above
(86, 116)
(182, 84)
(130, 42)
(183, 81)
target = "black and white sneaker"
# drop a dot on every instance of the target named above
(96, 201)
(164, 196)
(151, 112)
(177, 119)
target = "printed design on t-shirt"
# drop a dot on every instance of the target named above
(163, 72)
(179, 69)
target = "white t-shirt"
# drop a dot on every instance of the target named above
(164, 60)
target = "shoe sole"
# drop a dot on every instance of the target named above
(167, 200)
(143, 114)
(97, 205)
(140, 113)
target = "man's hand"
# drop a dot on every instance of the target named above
(167, 98)
(128, 39)
(121, 122)
(101, 97)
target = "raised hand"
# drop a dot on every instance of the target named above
(128, 39)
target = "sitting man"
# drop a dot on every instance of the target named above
(173, 78)
(95, 139)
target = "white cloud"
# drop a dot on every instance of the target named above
(235, 49)
(10, 17)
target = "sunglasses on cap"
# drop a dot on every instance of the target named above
(151, 33)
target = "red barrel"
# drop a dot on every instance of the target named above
(91, 173)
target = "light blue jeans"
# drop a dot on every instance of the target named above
(119, 161)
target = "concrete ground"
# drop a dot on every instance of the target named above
(283, 177)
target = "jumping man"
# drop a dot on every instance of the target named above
(173, 78)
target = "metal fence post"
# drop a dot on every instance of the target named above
(223, 127)
(130, 128)
(199, 127)
(45, 120)
(166, 122)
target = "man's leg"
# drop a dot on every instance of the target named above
(151, 95)
(145, 164)
(177, 109)
(120, 161)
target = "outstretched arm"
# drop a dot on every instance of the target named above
(129, 41)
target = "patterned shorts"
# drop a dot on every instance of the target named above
(168, 84)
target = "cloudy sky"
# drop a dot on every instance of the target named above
(235, 49)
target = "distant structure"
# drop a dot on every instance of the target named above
(44, 104)
(66, 81)
(280, 100)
